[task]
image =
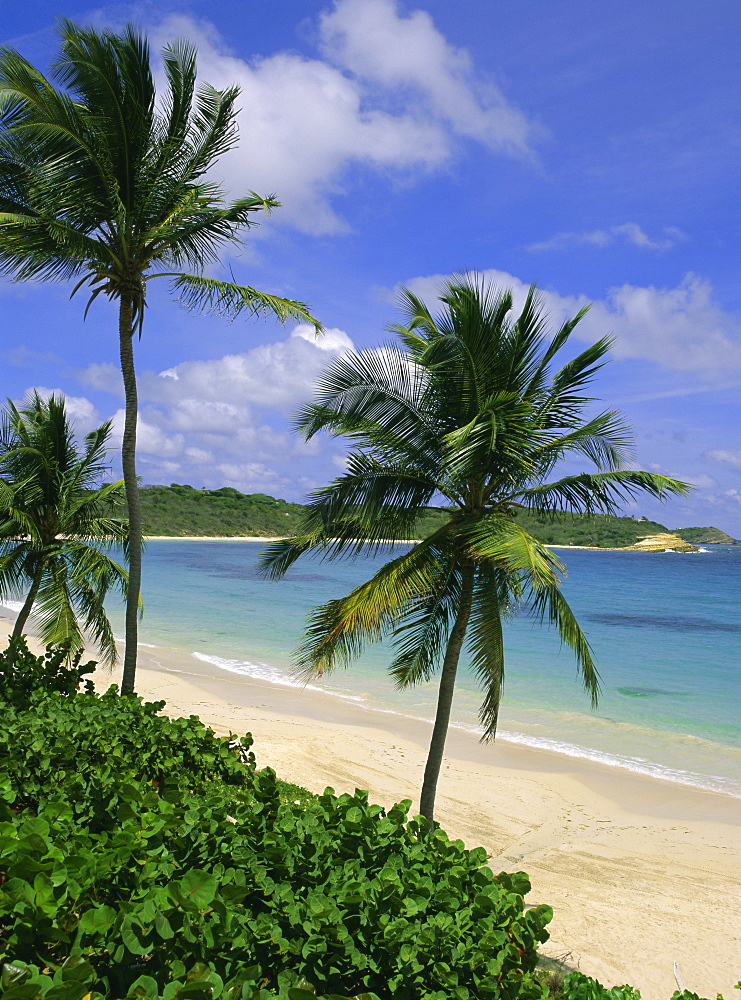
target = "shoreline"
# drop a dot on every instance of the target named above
(640, 871)
(411, 541)
(213, 671)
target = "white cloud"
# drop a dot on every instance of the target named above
(210, 422)
(628, 232)
(332, 339)
(391, 94)
(81, 411)
(151, 439)
(732, 458)
(682, 329)
(213, 393)
(253, 477)
(372, 41)
(105, 377)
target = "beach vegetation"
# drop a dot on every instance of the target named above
(145, 856)
(58, 525)
(23, 673)
(104, 182)
(466, 406)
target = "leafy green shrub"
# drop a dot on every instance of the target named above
(22, 673)
(577, 986)
(136, 846)
(90, 745)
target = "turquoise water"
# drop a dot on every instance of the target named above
(665, 630)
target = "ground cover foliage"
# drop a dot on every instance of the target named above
(180, 510)
(145, 857)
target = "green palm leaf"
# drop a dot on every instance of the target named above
(465, 407)
(104, 182)
(56, 524)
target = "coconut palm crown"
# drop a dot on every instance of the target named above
(105, 183)
(57, 525)
(465, 407)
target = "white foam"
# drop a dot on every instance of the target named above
(12, 605)
(264, 672)
(638, 765)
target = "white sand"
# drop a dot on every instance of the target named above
(640, 872)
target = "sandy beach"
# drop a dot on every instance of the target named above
(641, 873)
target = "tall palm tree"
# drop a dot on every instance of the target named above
(104, 182)
(465, 409)
(57, 524)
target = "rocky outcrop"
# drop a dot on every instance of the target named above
(660, 543)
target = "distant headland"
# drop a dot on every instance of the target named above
(180, 511)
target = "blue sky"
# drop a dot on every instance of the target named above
(592, 148)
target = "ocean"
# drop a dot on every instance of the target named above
(665, 630)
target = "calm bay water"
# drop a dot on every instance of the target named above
(665, 629)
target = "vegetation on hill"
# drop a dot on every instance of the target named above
(705, 536)
(181, 510)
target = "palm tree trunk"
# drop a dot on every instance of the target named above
(20, 622)
(445, 694)
(128, 461)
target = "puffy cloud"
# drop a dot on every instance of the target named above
(390, 94)
(372, 41)
(682, 329)
(253, 477)
(151, 439)
(212, 422)
(628, 232)
(105, 377)
(81, 411)
(732, 458)
(212, 393)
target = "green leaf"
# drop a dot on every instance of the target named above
(97, 920)
(144, 986)
(199, 887)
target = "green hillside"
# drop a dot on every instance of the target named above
(705, 536)
(180, 510)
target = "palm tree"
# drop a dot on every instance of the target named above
(103, 182)
(57, 524)
(466, 409)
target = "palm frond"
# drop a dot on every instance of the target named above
(601, 492)
(338, 631)
(502, 543)
(227, 298)
(549, 603)
(423, 627)
(55, 520)
(486, 641)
